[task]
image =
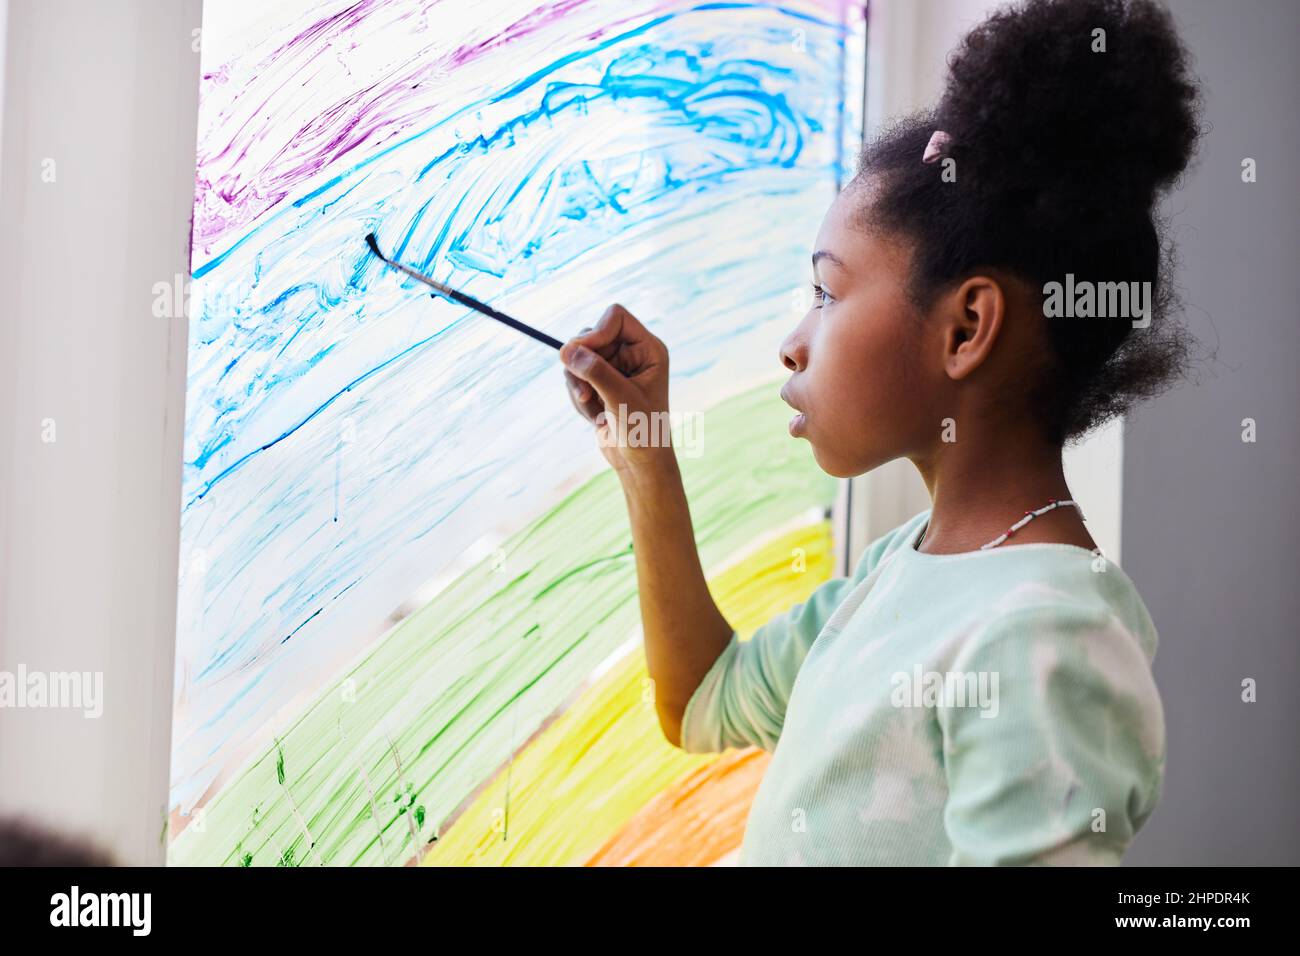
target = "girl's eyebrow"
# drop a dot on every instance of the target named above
(825, 254)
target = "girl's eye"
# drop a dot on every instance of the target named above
(820, 295)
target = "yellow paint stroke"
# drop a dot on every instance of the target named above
(593, 784)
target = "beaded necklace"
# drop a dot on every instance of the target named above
(1030, 516)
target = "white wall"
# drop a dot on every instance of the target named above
(88, 522)
(908, 42)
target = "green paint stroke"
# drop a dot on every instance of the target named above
(426, 718)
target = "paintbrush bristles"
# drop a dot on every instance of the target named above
(374, 246)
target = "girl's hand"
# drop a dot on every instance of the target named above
(617, 375)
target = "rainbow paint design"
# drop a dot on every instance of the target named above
(407, 625)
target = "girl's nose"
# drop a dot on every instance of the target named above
(794, 352)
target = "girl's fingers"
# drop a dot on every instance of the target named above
(585, 337)
(619, 349)
(611, 386)
(616, 328)
(579, 390)
(639, 361)
(620, 340)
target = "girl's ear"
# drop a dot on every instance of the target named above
(973, 314)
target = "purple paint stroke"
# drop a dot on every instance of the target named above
(234, 199)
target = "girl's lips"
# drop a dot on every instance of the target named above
(796, 425)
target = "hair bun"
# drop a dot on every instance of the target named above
(1037, 100)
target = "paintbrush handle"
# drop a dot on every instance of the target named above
(468, 301)
(473, 303)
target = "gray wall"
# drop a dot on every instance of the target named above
(1211, 525)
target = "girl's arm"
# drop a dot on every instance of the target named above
(684, 630)
(617, 371)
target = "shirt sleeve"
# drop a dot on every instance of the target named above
(1064, 760)
(741, 700)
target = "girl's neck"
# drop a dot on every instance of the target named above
(979, 488)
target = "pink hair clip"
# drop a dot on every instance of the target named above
(938, 140)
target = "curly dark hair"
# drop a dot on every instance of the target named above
(1060, 156)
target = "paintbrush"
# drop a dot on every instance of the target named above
(469, 301)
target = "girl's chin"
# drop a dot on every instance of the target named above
(833, 466)
(826, 459)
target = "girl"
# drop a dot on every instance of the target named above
(979, 691)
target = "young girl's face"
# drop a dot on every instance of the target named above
(858, 382)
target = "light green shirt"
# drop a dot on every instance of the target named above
(992, 707)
